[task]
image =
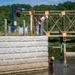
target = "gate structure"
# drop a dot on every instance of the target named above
(59, 24)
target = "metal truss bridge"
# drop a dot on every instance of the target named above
(58, 24)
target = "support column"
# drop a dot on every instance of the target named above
(24, 28)
(13, 14)
(63, 48)
(5, 27)
(64, 52)
(31, 21)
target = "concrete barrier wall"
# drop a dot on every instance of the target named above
(70, 53)
(23, 53)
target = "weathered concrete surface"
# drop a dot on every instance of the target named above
(70, 53)
(23, 53)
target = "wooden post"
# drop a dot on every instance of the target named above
(46, 14)
(63, 48)
(64, 44)
(31, 21)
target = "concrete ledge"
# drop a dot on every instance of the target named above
(25, 67)
(70, 53)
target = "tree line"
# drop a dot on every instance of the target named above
(6, 11)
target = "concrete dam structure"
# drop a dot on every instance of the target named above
(23, 53)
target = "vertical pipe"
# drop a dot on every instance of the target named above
(5, 27)
(23, 27)
(13, 14)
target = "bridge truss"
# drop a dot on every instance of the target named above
(58, 24)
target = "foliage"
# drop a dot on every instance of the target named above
(6, 11)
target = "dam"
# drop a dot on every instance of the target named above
(23, 53)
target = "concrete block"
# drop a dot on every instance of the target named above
(23, 53)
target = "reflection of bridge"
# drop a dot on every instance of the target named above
(59, 23)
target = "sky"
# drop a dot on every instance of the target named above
(32, 2)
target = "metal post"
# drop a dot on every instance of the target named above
(23, 27)
(13, 14)
(5, 27)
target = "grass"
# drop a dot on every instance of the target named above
(1, 33)
(16, 34)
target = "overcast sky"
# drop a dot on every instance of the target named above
(32, 2)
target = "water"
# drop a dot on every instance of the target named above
(64, 69)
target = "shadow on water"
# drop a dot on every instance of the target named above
(51, 71)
